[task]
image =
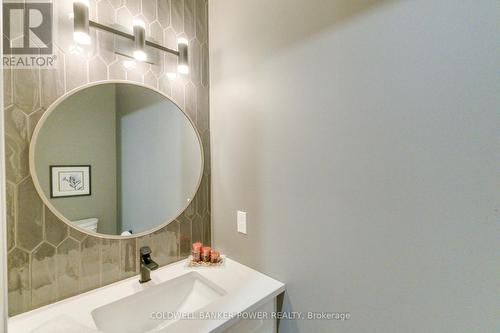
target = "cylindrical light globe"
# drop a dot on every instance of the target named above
(139, 40)
(183, 60)
(81, 22)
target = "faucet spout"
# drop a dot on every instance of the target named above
(147, 264)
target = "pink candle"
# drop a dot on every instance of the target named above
(205, 253)
(214, 256)
(197, 247)
(196, 252)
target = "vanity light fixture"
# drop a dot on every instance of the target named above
(140, 40)
(81, 22)
(81, 35)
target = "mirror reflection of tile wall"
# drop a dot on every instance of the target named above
(47, 261)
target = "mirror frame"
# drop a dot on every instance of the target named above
(47, 202)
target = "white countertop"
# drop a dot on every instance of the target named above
(246, 289)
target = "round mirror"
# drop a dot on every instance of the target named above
(116, 159)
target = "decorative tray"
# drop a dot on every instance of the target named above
(191, 263)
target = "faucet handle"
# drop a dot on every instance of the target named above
(147, 264)
(145, 251)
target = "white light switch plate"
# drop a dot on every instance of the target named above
(242, 222)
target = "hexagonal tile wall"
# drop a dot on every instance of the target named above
(47, 260)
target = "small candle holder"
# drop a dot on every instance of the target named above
(202, 264)
(196, 256)
(204, 256)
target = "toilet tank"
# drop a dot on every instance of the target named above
(88, 224)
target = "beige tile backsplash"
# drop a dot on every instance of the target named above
(47, 260)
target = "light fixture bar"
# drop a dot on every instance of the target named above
(103, 27)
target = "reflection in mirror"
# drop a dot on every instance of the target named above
(116, 158)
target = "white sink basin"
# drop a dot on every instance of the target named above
(126, 306)
(134, 314)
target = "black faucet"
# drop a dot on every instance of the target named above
(147, 264)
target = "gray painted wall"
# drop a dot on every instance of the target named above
(362, 139)
(81, 131)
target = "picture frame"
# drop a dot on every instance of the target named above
(70, 181)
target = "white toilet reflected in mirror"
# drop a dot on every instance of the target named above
(88, 224)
